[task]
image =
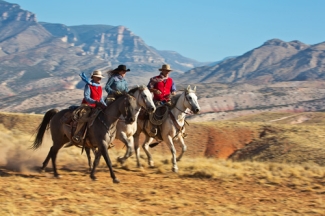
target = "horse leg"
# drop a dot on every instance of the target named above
(89, 158)
(46, 161)
(53, 153)
(104, 152)
(129, 142)
(169, 142)
(136, 137)
(145, 147)
(98, 154)
(184, 148)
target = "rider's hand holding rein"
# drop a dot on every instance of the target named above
(156, 91)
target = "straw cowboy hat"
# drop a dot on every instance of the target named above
(97, 73)
(165, 67)
(121, 68)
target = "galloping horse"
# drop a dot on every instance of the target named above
(172, 128)
(99, 135)
(125, 132)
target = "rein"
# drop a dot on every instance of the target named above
(139, 95)
(178, 127)
(113, 117)
(186, 108)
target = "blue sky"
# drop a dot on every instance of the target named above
(204, 30)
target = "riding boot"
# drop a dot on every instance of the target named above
(153, 131)
(77, 137)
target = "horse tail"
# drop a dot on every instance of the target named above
(42, 128)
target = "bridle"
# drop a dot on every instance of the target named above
(125, 106)
(143, 100)
(186, 93)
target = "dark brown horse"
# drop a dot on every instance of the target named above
(99, 135)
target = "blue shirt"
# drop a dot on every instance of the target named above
(116, 83)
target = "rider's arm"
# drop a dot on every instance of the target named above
(87, 80)
(102, 101)
(173, 88)
(126, 86)
(151, 86)
(108, 85)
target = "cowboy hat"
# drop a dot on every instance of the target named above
(97, 73)
(165, 67)
(121, 68)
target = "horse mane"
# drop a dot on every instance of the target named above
(133, 90)
(174, 99)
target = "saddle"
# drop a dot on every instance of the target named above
(154, 120)
(79, 119)
(161, 114)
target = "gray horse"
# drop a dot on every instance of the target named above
(99, 135)
(125, 132)
(171, 129)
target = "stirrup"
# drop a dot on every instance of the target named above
(76, 139)
(153, 131)
(111, 145)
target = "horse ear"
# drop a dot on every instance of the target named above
(194, 89)
(188, 87)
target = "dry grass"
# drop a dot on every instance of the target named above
(203, 186)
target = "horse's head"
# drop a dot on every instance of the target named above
(191, 100)
(144, 98)
(129, 108)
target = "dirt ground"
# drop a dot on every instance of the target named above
(154, 191)
(148, 193)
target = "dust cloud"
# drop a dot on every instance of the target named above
(16, 154)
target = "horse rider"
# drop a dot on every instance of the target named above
(116, 84)
(92, 98)
(162, 87)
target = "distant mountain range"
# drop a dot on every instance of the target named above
(274, 61)
(40, 63)
(38, 57)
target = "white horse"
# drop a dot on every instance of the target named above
(172, 128)
(125, 132)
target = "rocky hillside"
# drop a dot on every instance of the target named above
(274, 61)
(41, 57)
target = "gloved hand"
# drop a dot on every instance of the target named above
(100, 105)
(118, 93)
(156, 91)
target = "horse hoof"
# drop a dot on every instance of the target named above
(120, 160)
(116, 181)
(57, 176)
(175, 170)
(93, 178)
